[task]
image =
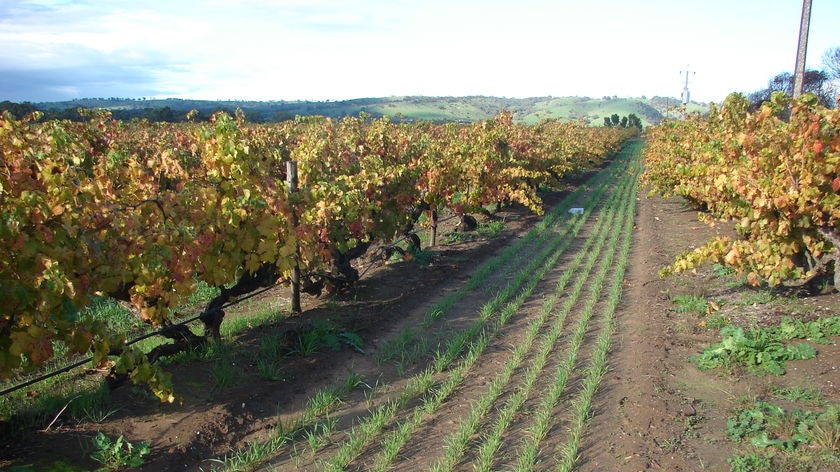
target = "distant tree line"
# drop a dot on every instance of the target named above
(438, 109)
(824, 84)
(155, 115)
(629, 121)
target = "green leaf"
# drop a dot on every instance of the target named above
(774, 367)
(762, 440)
(353, 340)
(801, 351)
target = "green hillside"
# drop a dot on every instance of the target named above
(592, 110)
(463, 109)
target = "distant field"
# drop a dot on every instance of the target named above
(465, 109)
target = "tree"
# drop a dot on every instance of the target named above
(607, 122)
(831, 61)
(634, 121)
(615, 119)
(161, 114)
(18, 110)
(817, 82)
(623, 121)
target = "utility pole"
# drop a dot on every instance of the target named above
(802, 49)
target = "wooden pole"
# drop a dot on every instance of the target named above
(292, 186)
(433, 218)
(802, 49)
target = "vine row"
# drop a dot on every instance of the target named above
(774, 172)
(143, 212)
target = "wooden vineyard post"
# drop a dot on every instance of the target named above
(433, 218)
(291, 185)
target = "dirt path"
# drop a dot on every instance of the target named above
(655, 410)
(485, 355)
(638, 413)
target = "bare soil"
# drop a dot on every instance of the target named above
(654, 410)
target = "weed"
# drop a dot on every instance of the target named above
(760, 297)
(671, 444)
(353, 381)
(237, 324)
(273, 348)
(55, 403)
(55, 466)
(404, 348)
(815, 331)
(423, 257)
(139, 393)
(691, 304)
(253, 453)
(803, 394)
(352, 340)
(722, 270)
(98, 414)
(224, 373)
(318, 436)
(203, 293)
(435, 314)
(118, 453)
(270, 369)
(458, 237)
(824, 432)
(325, 334)
(715, 322)
(691, 422)
(758, 349)
(749, 463)
(750, 421)
(767, 425)
(491, 228)
(308, 343)
(215, 351)
(91, 406)
(323, 401)
(116, 317)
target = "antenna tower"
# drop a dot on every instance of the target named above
(686, 95)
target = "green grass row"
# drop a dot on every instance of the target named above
(488, 444)
(421, 383)
(598, 364)
(473, 340)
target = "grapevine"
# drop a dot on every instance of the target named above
(774, 172)
(143, 212)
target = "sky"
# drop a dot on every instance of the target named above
(54, 50)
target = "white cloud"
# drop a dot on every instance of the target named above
(316, 49)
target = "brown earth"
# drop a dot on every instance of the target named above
(653, 410)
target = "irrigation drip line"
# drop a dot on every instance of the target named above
(204, 313)
(199, 316)
(136, 340)
(62, 370)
